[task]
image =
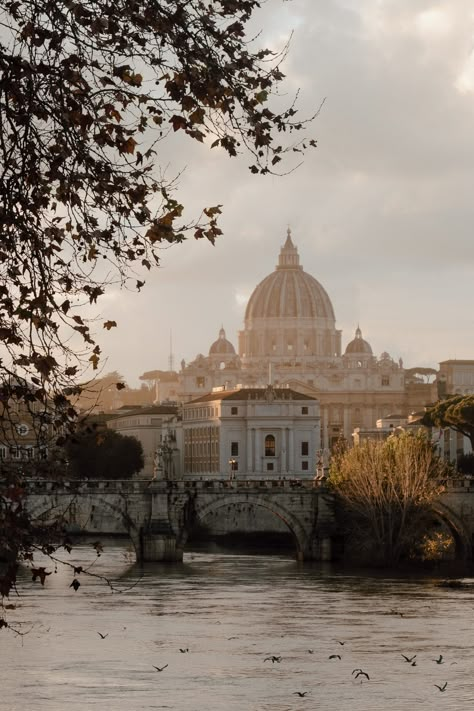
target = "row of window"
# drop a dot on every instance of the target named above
(199, 413)
(270, 447)
(270, 466)
(22, 453)
(235, 410)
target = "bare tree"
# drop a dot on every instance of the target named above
(89, 91)
(386, 489)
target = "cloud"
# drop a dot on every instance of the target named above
(382, 211)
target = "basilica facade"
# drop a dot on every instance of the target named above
(290, 340)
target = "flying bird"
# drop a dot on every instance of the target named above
(310, 651)
(442, 688)
(102, 636)
(356, 670)
(40, 573)
(362, 673)
(341, 643)
(334, 656)
(272, 659)
(409, 659)
(301, 693)
(439, 660)
(159, 668)
(183, 651)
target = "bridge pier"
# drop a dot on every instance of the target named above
(158, 543)
(322, 549)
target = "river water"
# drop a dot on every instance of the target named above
(232, 611)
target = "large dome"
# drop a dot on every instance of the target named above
(289, 292)
(289, 316)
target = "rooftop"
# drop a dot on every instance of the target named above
(253, 394)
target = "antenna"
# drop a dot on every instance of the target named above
(171, 356)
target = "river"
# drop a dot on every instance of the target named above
(231, 612)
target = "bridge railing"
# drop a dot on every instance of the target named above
(220, 484)
(100, 485)
(139, 486)
(458, 484)
(111, 486)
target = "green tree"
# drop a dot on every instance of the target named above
(456, 412)
(104, 454)
(385, 490)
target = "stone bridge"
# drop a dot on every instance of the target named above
(160, 515)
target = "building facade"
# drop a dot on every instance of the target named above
(290, 340)
(158, 429)
(251, 432)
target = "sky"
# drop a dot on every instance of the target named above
(381, 212)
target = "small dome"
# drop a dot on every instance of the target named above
(222, 346)
(358, 346)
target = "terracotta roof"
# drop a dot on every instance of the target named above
(456, 362)
(243, 394)
(155, 410)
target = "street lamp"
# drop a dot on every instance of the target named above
(233, 468)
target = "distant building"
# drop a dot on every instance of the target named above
(456, 377)
(158, 429)
(289, 340)
(251, 432)
(290, 332)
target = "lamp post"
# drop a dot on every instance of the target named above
(232, 467)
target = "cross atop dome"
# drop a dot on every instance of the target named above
(289, 254)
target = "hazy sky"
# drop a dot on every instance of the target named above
(381, 212)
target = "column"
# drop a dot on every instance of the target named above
(324, 427)
(258, 451)
(312, 452)
(291, 450)
(249, 451)
(347, 429)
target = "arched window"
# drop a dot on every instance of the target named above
(269, 446)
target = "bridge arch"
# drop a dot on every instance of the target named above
(461, 536)
(65, 508)
(202, 510)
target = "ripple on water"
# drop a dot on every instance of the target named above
(232, 611)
